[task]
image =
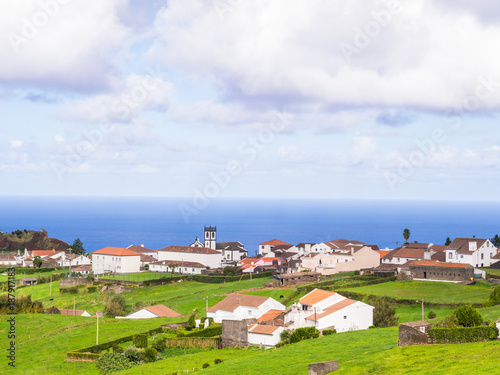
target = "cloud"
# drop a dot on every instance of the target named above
(396, 117)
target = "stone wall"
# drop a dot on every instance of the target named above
(322, 368)
(234, 333)
(412, 336)
(442, 273)
(71, 281)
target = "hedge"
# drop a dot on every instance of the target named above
(191, 342)
(140, 340)
(463, 334)
(78, 355)
(211, 331)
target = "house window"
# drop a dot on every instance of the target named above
(249, 312)
(185, 269)
(450, 256)
(193, 269)
(345, 316)
(304, 307)
(422, 329)
(482, 256)
(461, 257)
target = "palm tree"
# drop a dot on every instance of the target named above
(406, 234)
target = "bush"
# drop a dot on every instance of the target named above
(217, 361)
(134, 355)
(150, 354)
(140, 340)
(191, 323)
(384, 315)
(450, 321)
(468, 316)
(463, 334)
(92, 289)
(303, 334)
(431, 314)
(112, 362)
(159, 344)
(213, 330)
(327, 332)
(205, 365)
(114, 305)
(285, 335)
(494, 298)
(117, 348)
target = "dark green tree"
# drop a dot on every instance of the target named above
(114, 305)
(406, 234)
(77, 247)
(448, 241)
(37, 261)
(496, 241)
(384, 315)
(468, 316)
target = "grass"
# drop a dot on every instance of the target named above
(430, 291)
(492, 271)
(182, 297)
(140, 276)
(19, 274)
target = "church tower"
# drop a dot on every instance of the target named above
(211, 237)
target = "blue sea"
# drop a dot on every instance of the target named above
(159, 222)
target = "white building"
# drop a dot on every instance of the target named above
(474, 251)
(156, 311)
(204, 255)
(265, 335)
(173, 266)
(327, 310)
(241, 306)
(266, 247)
(115, 259)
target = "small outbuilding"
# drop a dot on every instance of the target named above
(27, 281)
(156, 311)
(295, 278)
(432, 270)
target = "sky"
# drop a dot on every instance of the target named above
(251, 98)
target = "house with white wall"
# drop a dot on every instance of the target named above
(174, 266)
(156, 311)
(242, 306)
(401, 255)
(266, 247)
(478, 252)
(265, 335)
(327, 310)
(116, 260)
(204, 255)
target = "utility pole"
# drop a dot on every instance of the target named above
(74, 304)
(422, 309)
(50, 285)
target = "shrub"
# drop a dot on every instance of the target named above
(140, 340)
(117, 348)
(205, 365)
(115, 304)
(327, 332)
(304, 334)
(150, 354)
(191, 323)
(494, 298)
(468, 316)
(112, 362)
(214, 330)
(92, 289)
(134, 355)
(217, 361)
(159, 344)
(356, 273)
(449, 322)
(285, 335)
(463, 334)
(431, 314)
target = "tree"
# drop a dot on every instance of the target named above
(468, 316)
(384, 315)
(77, 247)
(448, 241)
(494, 298)
(406, 234)
(173, 267)
(37, 261)
(114, 305)
(496, 241)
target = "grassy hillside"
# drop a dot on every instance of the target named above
(430, 291)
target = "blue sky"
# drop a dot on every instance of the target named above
(235, 98)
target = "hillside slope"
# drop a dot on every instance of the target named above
(31, 240)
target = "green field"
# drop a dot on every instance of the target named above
(492, 271)
(430, 291)
(20, 274)
(182, 297)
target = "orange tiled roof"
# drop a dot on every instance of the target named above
(262, 329)
(42, 253)
(315, 296)
(72, 312)
(234, 300)
(119, 251)
(274, 242)
(162, 311)
(331, 309)
(383, 253)
(270, 315)
(189, 249)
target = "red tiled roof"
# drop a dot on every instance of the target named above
(162, 311)
(72, 312)
(315, 296)
(270, 315)
(262, 329)
(234, 300)
(119, 251)
(331, 309)
(430, 263)
(383, 253)
(461, 245)
(404, 252)
(141, 249)
(189, 249)
(147, 258)
(274, 243)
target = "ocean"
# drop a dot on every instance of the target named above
(159, 222)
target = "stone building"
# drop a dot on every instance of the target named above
(414, 333)
(428, 269)
(295, 278)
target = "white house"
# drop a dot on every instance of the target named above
(265, 335)
(156, 311)
(266, 247)
(144, 250)
(182, 267)
(115, 259)
(321, 248)
(232, 251)
(8, 259)
(326, 310)
(401, 255)
(242, 306)
(204, 255)
(74, 312)
(474, 251)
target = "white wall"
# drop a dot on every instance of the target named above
(265, 340)
(353, 317)
(116, 264)
(141, 314)
(246, 312)
(210, 260)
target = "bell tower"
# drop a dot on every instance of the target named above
(211, 237)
